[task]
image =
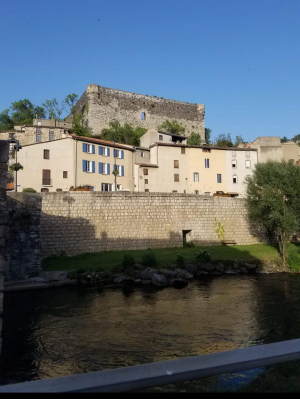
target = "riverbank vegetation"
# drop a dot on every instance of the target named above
(108, 261)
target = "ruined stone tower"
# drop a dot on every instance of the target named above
(101, 105)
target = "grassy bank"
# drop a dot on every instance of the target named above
(106, 261)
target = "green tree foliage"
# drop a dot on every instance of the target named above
(23, 112)
(123, 134)
(273, 199)
(238, 140)
(6, 122)
(194, 139)
(284, 139)
(70, 102)
(171, 127)
(224, 140)
(53, 109)
(207, 135)
(79, 126)
(16, 167)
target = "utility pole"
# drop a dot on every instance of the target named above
(115, 170)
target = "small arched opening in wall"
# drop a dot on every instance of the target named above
(143, 116)
(45, 190)
(185, 237)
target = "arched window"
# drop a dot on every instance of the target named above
(143, 116)
(44, 190)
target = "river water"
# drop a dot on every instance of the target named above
(59, 332)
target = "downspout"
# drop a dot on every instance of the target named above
(75, 163)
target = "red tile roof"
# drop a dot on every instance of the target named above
(98, 141)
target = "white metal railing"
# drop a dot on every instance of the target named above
(165, 373)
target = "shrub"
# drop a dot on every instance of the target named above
(189, 244)
(293, 257)
(180, 261)
(149, 259)
(29, 190)
(202, 256)
(128, 261)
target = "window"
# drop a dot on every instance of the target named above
(219, 178)
(160, 137)
(38, 138)
(207, 163)
(248, 164)
(46, 154)
(23, 129)
(235, 179)
(174, 191)
(59, 190)
(88, 166)
(51, 135)
(143, 116)
(146, 181)
(89, 148)
(176, 178)
(120, 169)
(38, 130)
(104, 168)
(233, 153)
(207, 194)
(142, 154)
(147, 190)
(247, 154)
(65, 175)
(182, 150)
(206, 150)
(145, 171)
(105, 151)
(46, 177)
(119, 187)
(176, 164)
(118, 154)
(196, 177)
(107, 187)
(39, 123)
(234, 164)
(196, 192)
(11, 135)
(45, 190)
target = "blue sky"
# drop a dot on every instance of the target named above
(240, 58)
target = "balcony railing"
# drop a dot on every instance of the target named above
(166, 373)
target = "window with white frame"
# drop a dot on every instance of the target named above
(234, 163)
(196, 177)
(247, 154)
(89, 166)
(118, 154)
(234, 179)
(119, 187)
(248, 164)
(51, 135)
(106, 187)
(233, 154)
(105, 168)
(89, 148)
(119, 169)
(207, 163)
(196, 192)
(105, 151)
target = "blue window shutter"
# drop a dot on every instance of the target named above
(108, 169)
(122, 169)
(100, 168)
(115, 167)
(122, 154)
(100, 151)
(84, 166)
(115, 153)
(93, 166)
(108, 152)
(93, 149)
(84, 147)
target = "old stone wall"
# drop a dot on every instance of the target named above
(28, 136)
(23, 237)
(76, 222)
(101, 105)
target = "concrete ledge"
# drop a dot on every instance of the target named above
(165, 373)
(38, 286)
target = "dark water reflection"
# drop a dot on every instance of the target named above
(60, 332)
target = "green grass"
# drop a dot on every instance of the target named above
(107, 261)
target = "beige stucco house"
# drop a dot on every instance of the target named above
(199, 170)
(75, 161)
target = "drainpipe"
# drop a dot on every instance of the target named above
(75, 163)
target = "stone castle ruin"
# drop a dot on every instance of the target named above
(101, 105)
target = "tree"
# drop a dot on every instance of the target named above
(273, 200)
(70, 102)
(207, 135)
(224, 140)
(6, 122)
(79, 126)
(23, 112)
(239, 140)
(194, 139)
(284, 139)
(53, 109)
(123, 134)
(172, 127)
